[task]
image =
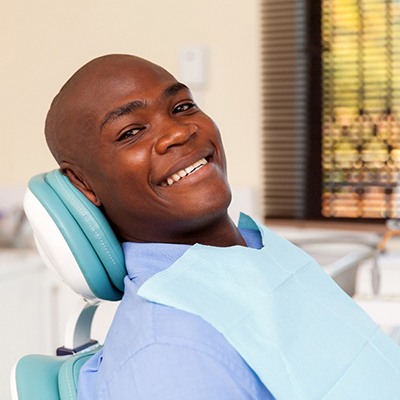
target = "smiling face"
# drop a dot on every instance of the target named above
(152, 159)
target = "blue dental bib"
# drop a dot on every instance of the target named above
(303, 336)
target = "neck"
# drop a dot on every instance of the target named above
(218, 232)
(221, 233)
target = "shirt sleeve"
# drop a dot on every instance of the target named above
(170, 372)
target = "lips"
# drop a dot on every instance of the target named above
(177, 176)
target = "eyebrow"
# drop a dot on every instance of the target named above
(123, 110)
(174, 89)
(140, 104)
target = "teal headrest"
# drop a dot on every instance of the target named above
(86, 231)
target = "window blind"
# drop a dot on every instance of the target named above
(285, 82)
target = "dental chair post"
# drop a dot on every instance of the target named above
(77, 335)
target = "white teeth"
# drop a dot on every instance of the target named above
(184, 172)
(197, 163)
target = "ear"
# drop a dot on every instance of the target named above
(80, 183)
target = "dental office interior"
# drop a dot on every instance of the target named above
(312, 137)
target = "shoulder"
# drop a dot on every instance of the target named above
(152, 341)
(138, 327)
(165, 371)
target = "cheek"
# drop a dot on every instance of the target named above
(121, 176)
(216, 138)
(220, 148)
(131, 164)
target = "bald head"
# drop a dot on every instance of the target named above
(70, 122)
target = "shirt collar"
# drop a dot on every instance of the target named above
(143, 260)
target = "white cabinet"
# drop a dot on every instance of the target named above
(23, 310)
(34, 311)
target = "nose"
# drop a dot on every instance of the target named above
(175, 135)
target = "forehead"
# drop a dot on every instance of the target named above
(130, 77)
(107, 87)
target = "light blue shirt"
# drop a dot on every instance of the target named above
(155, 352)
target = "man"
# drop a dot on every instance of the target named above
(210, 310)
(132, 139)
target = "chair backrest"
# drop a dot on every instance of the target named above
(76, 242)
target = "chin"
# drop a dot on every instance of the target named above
(207, 209)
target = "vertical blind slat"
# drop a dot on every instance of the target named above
(284, 107)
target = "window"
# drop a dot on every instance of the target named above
(361, 132)
(331, 108)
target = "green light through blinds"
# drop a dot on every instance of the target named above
(361, 108)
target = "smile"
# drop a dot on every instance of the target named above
(177, 176)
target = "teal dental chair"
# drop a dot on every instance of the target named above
(77, 243)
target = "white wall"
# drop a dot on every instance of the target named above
(43, 42)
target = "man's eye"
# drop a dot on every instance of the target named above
(184, 107)
(130, 133)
